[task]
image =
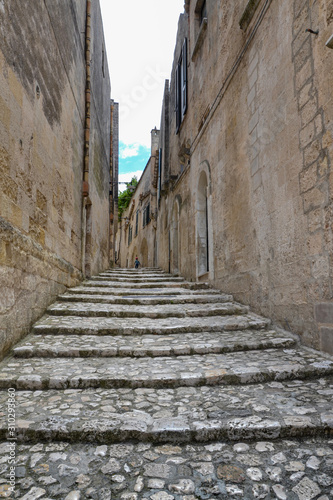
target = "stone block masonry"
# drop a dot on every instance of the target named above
(42, 111)
(315, 174)
(256, 190)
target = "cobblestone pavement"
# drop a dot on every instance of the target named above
(138, 385)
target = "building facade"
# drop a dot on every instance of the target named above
(245, 176)
(114, 178)
(54, 155)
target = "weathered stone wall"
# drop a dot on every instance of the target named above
(114, 179)
(259, 130)
(42, 110)
(99, 174)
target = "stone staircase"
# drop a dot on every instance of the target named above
(138, 384)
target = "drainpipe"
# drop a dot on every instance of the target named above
(86, 205)
(85, 190)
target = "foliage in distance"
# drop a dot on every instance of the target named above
(124, 198)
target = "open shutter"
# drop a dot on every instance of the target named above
(159, 176)
(184, 77)
(148, 213)
(178, 98)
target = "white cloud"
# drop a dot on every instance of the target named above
(127, 178)
(128, 151)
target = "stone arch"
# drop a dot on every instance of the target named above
(204, 226)
(175, 237)
(143, 257)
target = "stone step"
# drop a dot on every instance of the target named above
(145, 311)
(139, 273)
(76, 325)
(141, 269)
(145, 299)
(137, 292)
(150, 345)
(274, 410)
(137, 286)
(139, 279)
(208, 369)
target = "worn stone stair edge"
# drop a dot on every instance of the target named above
(164, 380)
(152, 292)
(115, 284)
(62, 325)
(138, 279)
(144, 300)
(137, 275)
(145, 311)
(174, 430)
(291, 405)
(36, 348)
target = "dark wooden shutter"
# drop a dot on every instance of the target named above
(177, 98)
(159, 176)
(184, 77)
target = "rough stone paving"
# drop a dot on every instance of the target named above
(138, 385)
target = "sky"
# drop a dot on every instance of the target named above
(140, 37)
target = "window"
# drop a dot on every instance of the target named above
(130, 235)
(159, 187)
(146, 215)
(181, 86)
(137, 223)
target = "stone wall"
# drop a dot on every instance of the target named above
(249, 203)
(114, 179)
(42, 116)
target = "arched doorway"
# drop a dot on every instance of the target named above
(175, 239)
(204, 227)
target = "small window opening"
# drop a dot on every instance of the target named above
(103, 61)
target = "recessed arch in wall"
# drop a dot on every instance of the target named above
(175, 237)
(204, 225)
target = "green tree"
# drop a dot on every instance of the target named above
(124, 198)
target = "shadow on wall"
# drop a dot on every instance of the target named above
(143, 257)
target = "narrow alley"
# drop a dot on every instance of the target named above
(139, 384)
